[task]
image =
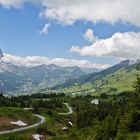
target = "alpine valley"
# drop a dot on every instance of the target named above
(15, 79)
(20, 79)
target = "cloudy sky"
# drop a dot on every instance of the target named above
(93, 33)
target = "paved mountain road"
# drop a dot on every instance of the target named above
(69, 108)
(42, 120)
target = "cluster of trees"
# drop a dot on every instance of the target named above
(6, 102)
(32, 100)
(115, 118)
(48, 95)
(50, 104)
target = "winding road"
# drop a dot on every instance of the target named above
(69, 108)
(42, 120)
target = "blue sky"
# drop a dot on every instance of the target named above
(20, 34)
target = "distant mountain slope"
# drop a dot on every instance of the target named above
(50, 75)
(117, 78)
(15, 78)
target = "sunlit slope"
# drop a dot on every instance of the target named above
(117, 82)
(110, 81)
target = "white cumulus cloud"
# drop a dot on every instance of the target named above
(111, 11)
(120, 45)
(70, 11)
(17, 3)
(31, 61)
(45, 29)
(12, 3)
(89, 35)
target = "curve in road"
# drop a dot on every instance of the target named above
(69, 108)
(42, 120)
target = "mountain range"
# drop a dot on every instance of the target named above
(16, 79)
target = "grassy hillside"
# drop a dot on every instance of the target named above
(119, 81)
